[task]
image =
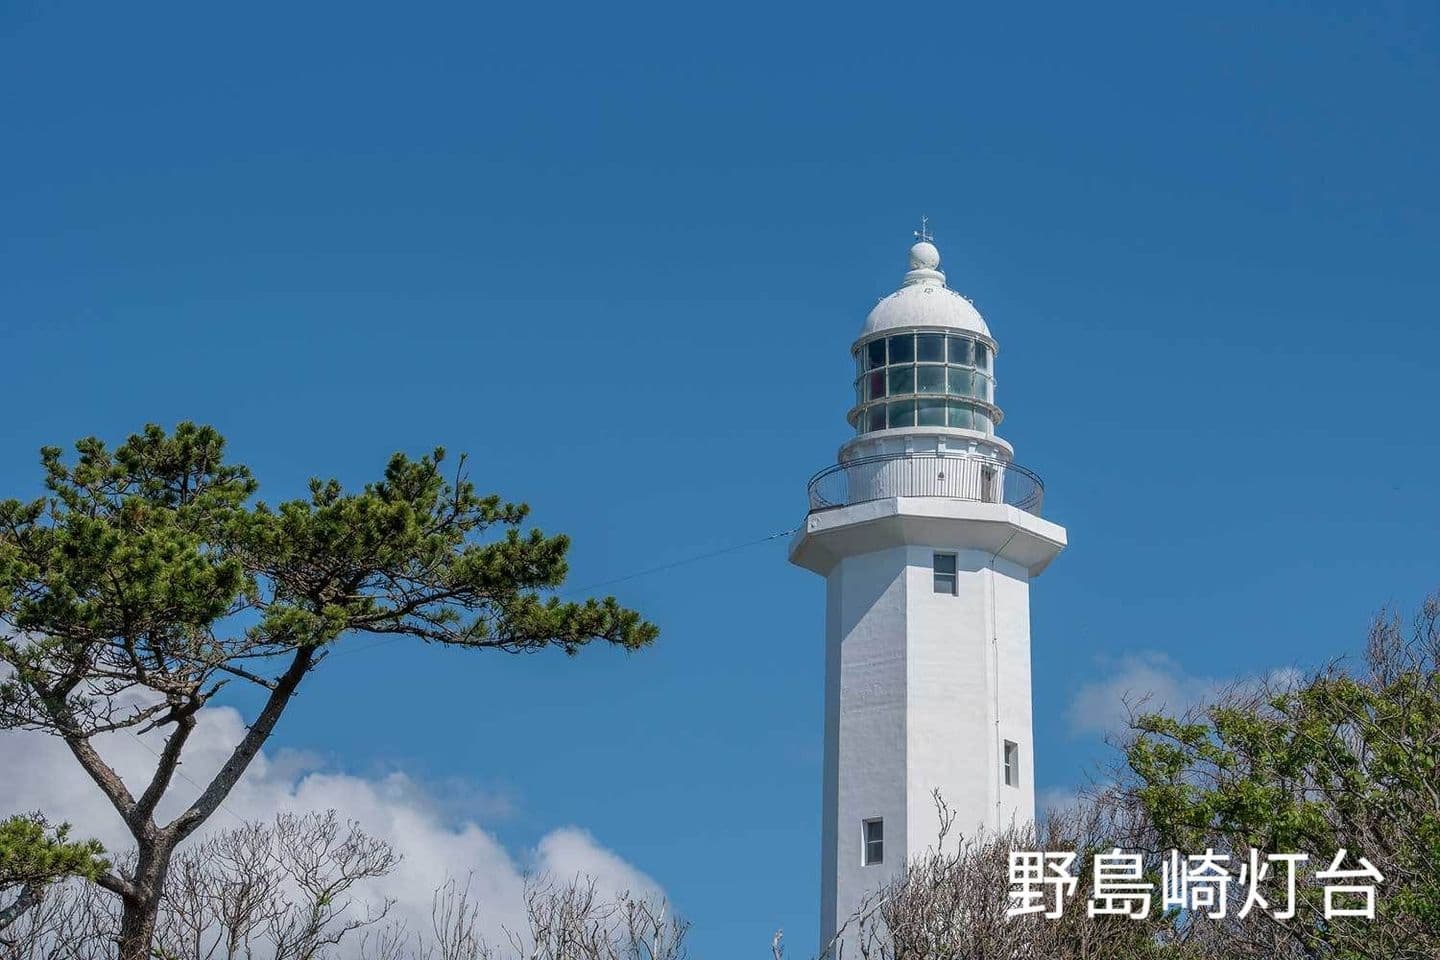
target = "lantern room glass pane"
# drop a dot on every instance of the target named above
(929, 379)
(902, 348)
(901, 414)
(982, 422)
(875, 417)
(874, 384)
(982, 386)
(875, 353)
(931, 412)
(930, 347)
(960, 351)
(961, 416)
(902, 380)
(982, 355)
(960, 382)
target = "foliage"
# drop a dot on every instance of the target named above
(148, 578)
(32, 851)
(1341, 760)
(34, 854)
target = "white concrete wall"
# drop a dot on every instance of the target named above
(835, 625)
(911, 704)
(866, 648)
(1011, 591)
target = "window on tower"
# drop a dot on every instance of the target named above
(891, 373)
(962, 351)
(930, 378)
(930, 411)
(1012, 764)
(902, 380)
(902, 348)
(902, 413)
(944, 564)
(875, 354)
(873, 836)
(930, 347)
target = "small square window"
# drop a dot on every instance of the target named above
(1012, 764)
(873, 834)
(945, 573)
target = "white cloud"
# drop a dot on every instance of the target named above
(1100, 706)
(1153, 682)
(40, 774)
(1146, 681)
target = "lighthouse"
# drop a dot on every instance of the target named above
(928, 535)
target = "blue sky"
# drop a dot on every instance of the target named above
(618, 254)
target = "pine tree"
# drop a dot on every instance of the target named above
(149, 578)
(34, 854)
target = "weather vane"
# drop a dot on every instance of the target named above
(923, 234)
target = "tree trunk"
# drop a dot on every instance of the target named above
(137, 929)
(140, 911)
(28, 899)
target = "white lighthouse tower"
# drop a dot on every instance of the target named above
(928, 535)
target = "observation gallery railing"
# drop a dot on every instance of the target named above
(957, 476)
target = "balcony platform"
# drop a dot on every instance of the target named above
(948, 502)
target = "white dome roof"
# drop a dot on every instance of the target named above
(924, 300)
